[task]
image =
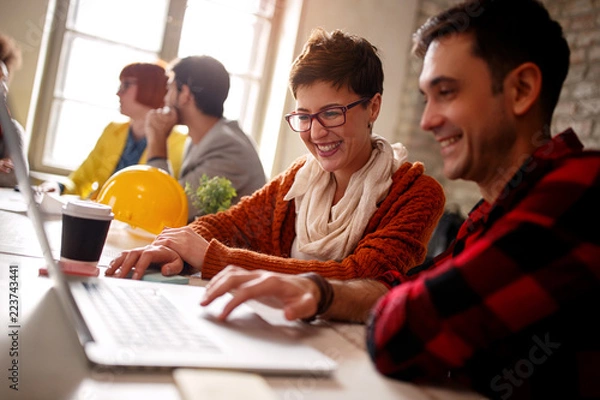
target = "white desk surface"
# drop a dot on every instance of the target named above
(53, 366)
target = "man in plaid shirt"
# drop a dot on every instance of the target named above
(508, 310)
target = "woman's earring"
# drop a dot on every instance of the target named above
(369, 125)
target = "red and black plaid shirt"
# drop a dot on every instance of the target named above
(510, 309)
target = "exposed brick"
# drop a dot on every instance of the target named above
(566, 93)
(576, 74)
(566, 108)
(572, 38)
(577, 7)
(593, 72)
(585, 90)
(591, 143)
(589, 107)
(565, 23)
(594, 53)
(583, 128)
(582, 22)
(554, 8)
(596, 131)
(560, 124)
(584, 39)
(578, 56)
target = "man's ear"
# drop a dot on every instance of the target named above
(524, 85)
(185, 94)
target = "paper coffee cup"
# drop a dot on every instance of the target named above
(85, 226)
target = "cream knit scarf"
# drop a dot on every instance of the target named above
(327, 232)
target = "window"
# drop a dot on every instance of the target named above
(96, 38)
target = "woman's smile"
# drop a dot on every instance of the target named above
(327, 149)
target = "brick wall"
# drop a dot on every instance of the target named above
(579, 105)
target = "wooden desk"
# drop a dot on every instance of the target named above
(53, 366)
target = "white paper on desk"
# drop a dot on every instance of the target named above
(196, 384)
(11, 200)
(50, 203)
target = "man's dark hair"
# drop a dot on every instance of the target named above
(207, 79)
(507, 34)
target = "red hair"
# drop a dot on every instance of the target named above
(151, 83)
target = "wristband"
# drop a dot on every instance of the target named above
(325, 291)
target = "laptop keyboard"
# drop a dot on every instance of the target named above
(143, 317)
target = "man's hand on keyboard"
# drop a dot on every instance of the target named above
(141, 258)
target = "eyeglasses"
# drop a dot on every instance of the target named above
(125, 85)
(329, 117)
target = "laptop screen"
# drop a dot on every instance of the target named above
(10, 135)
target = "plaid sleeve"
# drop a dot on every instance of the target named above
(536, 258)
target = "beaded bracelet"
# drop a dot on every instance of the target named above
(325, 291)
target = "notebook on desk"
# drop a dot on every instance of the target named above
(125, 323)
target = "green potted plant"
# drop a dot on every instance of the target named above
(212, 195)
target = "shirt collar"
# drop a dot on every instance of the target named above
(559, 146)
(531, 171)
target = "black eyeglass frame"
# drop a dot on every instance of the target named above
(316, 115)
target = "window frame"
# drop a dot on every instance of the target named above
(41, 129)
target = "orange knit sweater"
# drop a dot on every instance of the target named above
(258, 232)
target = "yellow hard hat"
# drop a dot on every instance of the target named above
(145, 197)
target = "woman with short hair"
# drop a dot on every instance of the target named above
(354, 207)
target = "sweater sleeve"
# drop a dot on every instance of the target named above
(262, 222)
(394, 239)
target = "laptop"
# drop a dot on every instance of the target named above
(124, 323)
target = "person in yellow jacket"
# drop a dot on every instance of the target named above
(143, 88)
